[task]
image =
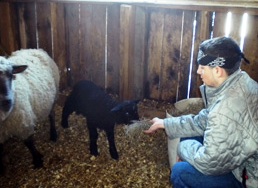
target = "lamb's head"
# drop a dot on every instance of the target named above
(126, 112)
(7, 71)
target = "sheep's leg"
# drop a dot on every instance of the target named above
(93, 133)
(53, 133)
(37, 157)
(2, 168)
(112, 146)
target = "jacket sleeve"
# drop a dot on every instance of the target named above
(186, 125)
(226, 145)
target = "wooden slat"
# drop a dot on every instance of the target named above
(44, 27)
(203, 32)
(185, 60)
(251, 47)
(219, 24)
(87, 67)
(138, 62)
(98, 35)
(236, 27)
(72, 42)
(59, 49)
(92, 52)
(125, 49)
(113, 50)
(170, 62)
(27, 25)
(154, 54)
(8, 29)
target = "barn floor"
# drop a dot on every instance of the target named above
(67, 163)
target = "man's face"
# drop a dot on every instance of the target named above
(208, 75)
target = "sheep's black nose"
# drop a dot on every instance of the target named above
(6, 105)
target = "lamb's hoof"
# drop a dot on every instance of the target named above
(114, 156)
(64, 125)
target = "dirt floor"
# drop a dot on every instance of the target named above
(67, 163)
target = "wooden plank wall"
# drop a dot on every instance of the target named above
(132, 51)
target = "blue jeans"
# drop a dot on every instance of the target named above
(184, 175)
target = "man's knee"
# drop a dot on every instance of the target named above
(178, 169)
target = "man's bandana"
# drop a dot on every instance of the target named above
(208, 60)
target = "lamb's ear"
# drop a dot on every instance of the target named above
(137, 101)
(116, 108)
(19, 68)
(122, 105)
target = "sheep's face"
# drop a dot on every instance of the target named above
(126, 112)
(6, 86)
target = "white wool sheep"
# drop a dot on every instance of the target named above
(27, 98)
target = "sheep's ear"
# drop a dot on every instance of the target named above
(19, 68)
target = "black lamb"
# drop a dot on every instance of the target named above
(101, 111)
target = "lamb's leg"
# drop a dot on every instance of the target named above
(112, 146)
(67, 110)
(93, 133)
(2, 167)
(53, 133)
(37, 157)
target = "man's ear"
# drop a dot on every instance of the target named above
(221, 72)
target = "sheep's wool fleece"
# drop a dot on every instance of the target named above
(35, 92)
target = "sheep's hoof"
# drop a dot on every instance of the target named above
(2, 170)
(95, 153)
(38, 162)
(53, 137)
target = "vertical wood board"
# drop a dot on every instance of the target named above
(251, 47)
(27, 25)
(87, 68)
(138, 60)
(59, 49)
(8, 29)
(219, 24)
(155, 54)
(92, 52)
(113, 52)
(235, 30)
(72, 42)
(203, 32)
(44, 27)
(171, 55)
(98, 35)
(185, 59)
(125, 28)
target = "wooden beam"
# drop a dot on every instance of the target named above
(214, 3)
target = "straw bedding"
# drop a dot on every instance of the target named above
(67, 163)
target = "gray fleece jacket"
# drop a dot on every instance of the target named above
(229, 125)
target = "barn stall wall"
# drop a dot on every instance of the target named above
(133, 50)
